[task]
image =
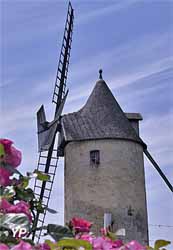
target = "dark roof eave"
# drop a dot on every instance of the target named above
(65, 142)
(134, 116)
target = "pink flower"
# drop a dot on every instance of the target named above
(4, 205)
(134, 245)
(117, 243)
(23, 207)
(98, 243)
(12, 155)
(7, 145)
(85, 236)
(107, 245)
(103, 243)
(4, 177)
(4, 247)
(20, 207)
(80, 225)
(42, 246)
(122, 248)
(22, 246)
(104, 231)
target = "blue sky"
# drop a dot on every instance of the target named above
(131, 40)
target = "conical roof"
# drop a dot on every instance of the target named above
(101, 117)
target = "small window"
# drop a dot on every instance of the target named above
(95, 157)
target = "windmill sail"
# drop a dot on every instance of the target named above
(61, 77)
(163, 176)
(48, 152)
(47, 130)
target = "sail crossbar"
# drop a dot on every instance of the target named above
(62, 71)
(47, 186)
(48, 151)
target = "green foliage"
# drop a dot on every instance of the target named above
(13, 220)
(158, 244)
(2, 151)
(7, 192)
(24, 181)
(59, 232)
(77, 244)
(53, 246)
(161, 243)
(42, 176)
(111, 235)
(50, 210)
(71, 244)
(38, 206)
(24, 194)
(7, 239)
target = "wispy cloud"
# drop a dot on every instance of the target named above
(41, 26)
(35, 22)
(23, 116)
(132, 54)
(103, 11)
(156, 131)
(147, 70)
(121, 81)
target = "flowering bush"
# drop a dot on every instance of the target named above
(80, 225)
(8, 156)
(18, 208)
(18, 205)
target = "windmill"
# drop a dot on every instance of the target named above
(48, 153)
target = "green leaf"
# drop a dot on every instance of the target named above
(7, 192)
(31, 175)
(5, 232)
(40, 228)
(42, 176)
(8, 239)
(12, 221)
(111, 235)
(53, 246)
(58, 232)
(39, 207)
(2, 150)
(24, 181)
(161, 243)
(50, 210)
(74, 243)
(24, 194)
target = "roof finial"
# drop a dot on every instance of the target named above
(100, 74)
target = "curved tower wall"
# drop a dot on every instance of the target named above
(116, 186)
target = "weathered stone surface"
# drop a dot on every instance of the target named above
(114, 186)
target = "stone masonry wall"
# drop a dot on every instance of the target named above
(114, 186)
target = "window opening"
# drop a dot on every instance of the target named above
(95, 157)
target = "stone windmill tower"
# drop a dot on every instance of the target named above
(104, 166)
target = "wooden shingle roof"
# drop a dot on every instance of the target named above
(101, 117)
